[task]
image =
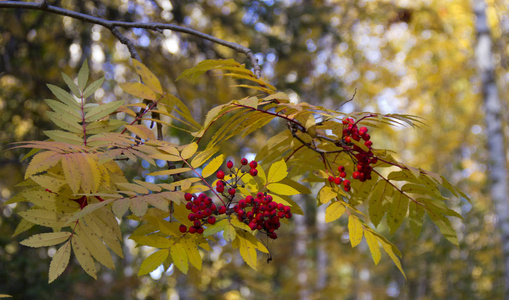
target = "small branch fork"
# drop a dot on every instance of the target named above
(114, 25)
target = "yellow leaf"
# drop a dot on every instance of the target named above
(120, 207)
(138, 90)
(83, 255)
(213, 165)
(277, 172)
(203, 156)
(219, 226)
(229, 233)
(141, 131)
(334, 211)
(326, 194)
(388, 248)
(192, 253)
(167, 157)
(44, 217)
(189, 150)
(355, 230)
(70, 166)
(179, 256)
(153, 261)
(139, 207)
(248, 253)
(133, 187)
(60, 261)
(41, 162)
(374, 246)
(46, 239)
(147, 77)
(282, 189)
(170, 172)
(95, 245)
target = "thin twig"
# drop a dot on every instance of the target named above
(345, 102)
(112, 26)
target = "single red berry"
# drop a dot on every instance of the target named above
(287, 209)
(243, 161)
(338, 180)
(280, 206)
(220, 188)
(191, 217)
(356, 175)
(232, 191)
(197, 223)
(347, 188)
(345, 121)
(253, 172)
(211, 220)
(189, 205)
(366, 137)
(207, 212)
(229, 164)
(192, 229)
(273, 235)
(373, 161)
(242, 203)
(271, 206)
(213, 207)
(252, 225)
(199, 230)
(341, 168)
(253, 164)
(249, 199)
(288, 215)
(220, 174)
(182, 228)
(199, 214)
(331, 178)
(188, 196)
(348, 139)
(281, 214)
(342, 174)
(368, 144)
(346, 182)
(222, 209)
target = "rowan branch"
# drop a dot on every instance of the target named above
(113, 27)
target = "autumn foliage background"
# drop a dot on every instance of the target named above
(395, 57)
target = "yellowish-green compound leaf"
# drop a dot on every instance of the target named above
(153, 261)
(141, 131)
(147, 77)
(179, 256)
(389, 250)
(377, 207)
(248, 253)
(72, 86)
(397, 211)
(374, 246)
(64, 96)
(355, 230)
(192, 253)
(138, 90)
(189, 150)
(94, 86)
(282, 189)
(277, 172)
(334, 211)
(83, 255)
(44, 217)
(102, 111)
(326, 194)
(83, 76)
(170, 172)
(64, 136)
(120, 207)
(416, 215)
(42, 161)
(46, 239)
(445, 226)
(229, 233)
(200, 158)
(70, 166)
(212, 166)
(95, 245)
(62, 108)
(60, 261)
(219, 226)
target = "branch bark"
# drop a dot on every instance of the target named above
(114, 25)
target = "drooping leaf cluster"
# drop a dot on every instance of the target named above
(77, 188)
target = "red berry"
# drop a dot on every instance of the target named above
(280, 206)
(191, 217)
(331, 178)
(363, 130)
(341, 168)
(260, 195)
(348, 139)
(287, 209)
(273, 235)
(243, 161)
(189, 205)
(345, 121)
(188, 196)
(249, 199)
(242, 203)
(192, 229)
(253, 164)
(211, 220)
(229, 164)
(182, 228)
(222, 209)
(346, 182)
(220, 188)
(368, 144)
(252, 225)
(253, 172)
(356, 175)
(220, 174)
(232, 191)
(338, 180)
(347, 188)
(199, 230)
(288, 215)
(366, 137)
(342, 174)
(197, 223)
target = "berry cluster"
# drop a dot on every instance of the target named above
(363, 168)
(259, 213)
(201, 208)
(262, 213)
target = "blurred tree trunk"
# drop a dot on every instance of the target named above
(321, 251)
(494, 131)
(301, 244)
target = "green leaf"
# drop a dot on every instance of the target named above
(355, 230)
(60, 261)
(397, 211)
(389, 250)
(334, 212)
(94, 86)
(212, 166)
(64, 96)
(416, 215)
(63, 109)
(219, 226)
(277, 172)
(83, 76)
(377, 207)
(153, 261)
(46, 239)
(64, 137)
(229, 233)
(138, 90)
(102, 110)
(72, 86)
(445, 227)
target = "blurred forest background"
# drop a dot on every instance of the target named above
(414, 57)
